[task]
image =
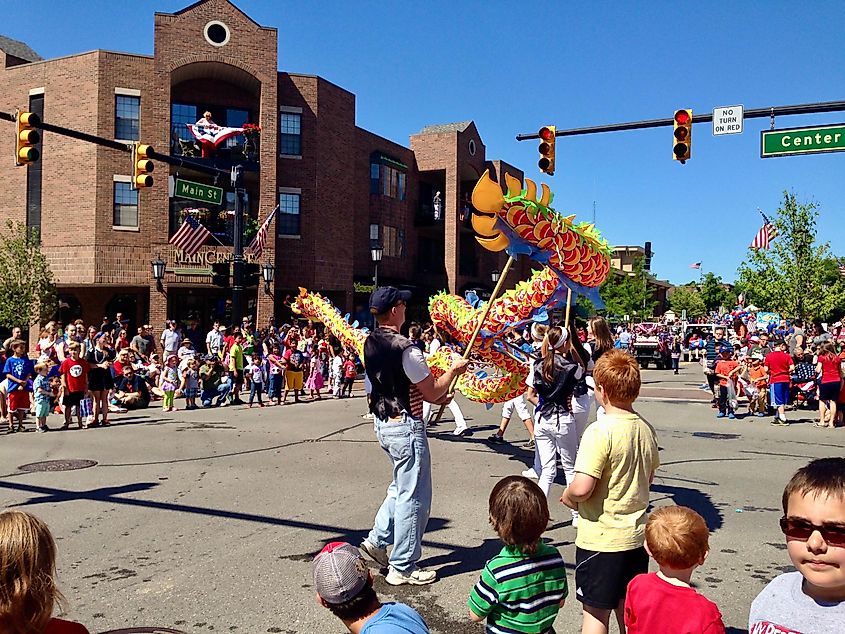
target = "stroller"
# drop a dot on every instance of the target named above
(804, 386)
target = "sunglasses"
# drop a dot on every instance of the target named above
(832, 534)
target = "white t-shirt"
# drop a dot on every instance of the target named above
(434, 346)
(414, 365)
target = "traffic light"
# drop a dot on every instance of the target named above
(220, 274)
(142, 166)
(547, 150)
(683, 135)
(27, 137)
(647, 262)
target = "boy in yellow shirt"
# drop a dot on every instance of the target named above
(615, 464)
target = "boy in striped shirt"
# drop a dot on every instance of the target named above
(522, 588)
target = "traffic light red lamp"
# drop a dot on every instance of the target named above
(682, 144)
(547, 150)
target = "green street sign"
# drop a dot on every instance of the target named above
(198, 191)
(810, 140)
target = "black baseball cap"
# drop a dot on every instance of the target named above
(386, 297)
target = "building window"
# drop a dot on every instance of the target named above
(235, 118)
(125, 205)
(374, 232)
(290, 132)
(387, 181)
(375, 178)
(33, 171)
(394, 242)
(180, 115)
(127, 118)
(288, 220)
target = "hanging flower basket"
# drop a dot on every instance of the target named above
(252, 131)
(200, 213)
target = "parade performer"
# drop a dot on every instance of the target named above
(400, 380)
(576, 260)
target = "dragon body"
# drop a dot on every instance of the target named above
(574, 256)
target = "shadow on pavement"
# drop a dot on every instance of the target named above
(696, 500)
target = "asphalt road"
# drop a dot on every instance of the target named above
(206, 521)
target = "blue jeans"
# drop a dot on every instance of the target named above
(277, 382)
(403, 515)
(221, 392)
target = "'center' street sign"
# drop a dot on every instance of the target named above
(812, 140)
(727, 120)
(198, 191)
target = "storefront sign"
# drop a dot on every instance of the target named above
(198, 191)
(204, 258)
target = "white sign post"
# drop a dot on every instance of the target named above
(727, 120)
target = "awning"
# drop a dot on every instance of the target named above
(386, 159)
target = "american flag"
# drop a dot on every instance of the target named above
(842, 269)
(767, 233)
(190, 236)
(256, 247)
(695, 265)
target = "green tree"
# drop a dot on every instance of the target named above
(27, 289)
(797, 276)
(627, 293)
(687, 298)
(714, 294)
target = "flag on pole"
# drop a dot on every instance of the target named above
(190, 236)
(695, 265)
(842, 269)
(256, 247)
(764, 237)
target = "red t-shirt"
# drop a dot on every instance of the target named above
(724, 368)
(830, 368)
(655, 606)
(778, 363)
(76, 373)
(60, 626)
(349, 369)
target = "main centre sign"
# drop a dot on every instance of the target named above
(808, 140)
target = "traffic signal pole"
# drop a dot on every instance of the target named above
(238, 247)
(757, 113)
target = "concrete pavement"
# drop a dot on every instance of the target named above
(206, 521)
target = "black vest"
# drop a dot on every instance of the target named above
(391, 388)
(555, 395)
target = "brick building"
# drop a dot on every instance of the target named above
(338, 187)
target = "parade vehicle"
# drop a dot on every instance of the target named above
(647, 346)
(698, 333)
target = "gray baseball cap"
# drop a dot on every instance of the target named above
(339, 572)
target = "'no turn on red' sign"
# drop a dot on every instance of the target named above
(727, 120)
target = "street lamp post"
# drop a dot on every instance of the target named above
(376, 252)
(268, 272)
(158, 265)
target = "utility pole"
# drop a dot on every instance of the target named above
(238, 247)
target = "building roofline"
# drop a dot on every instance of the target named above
(319, 77)
(82, 54)
(194, 5)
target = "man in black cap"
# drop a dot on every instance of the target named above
(400, 381)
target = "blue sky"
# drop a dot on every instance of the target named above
(512, 67)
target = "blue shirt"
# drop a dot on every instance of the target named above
(20, 368)
(41, 383)
(395, 618)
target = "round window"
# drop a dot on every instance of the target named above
(216, 33)
(472, 147)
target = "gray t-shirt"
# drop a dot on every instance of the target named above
(783, 608)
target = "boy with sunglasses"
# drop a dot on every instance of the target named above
(811, 600)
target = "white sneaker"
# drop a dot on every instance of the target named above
(460, 431)
(378, 555)
(530, 473)
(418, 577)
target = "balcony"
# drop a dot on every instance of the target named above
(229, 154)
